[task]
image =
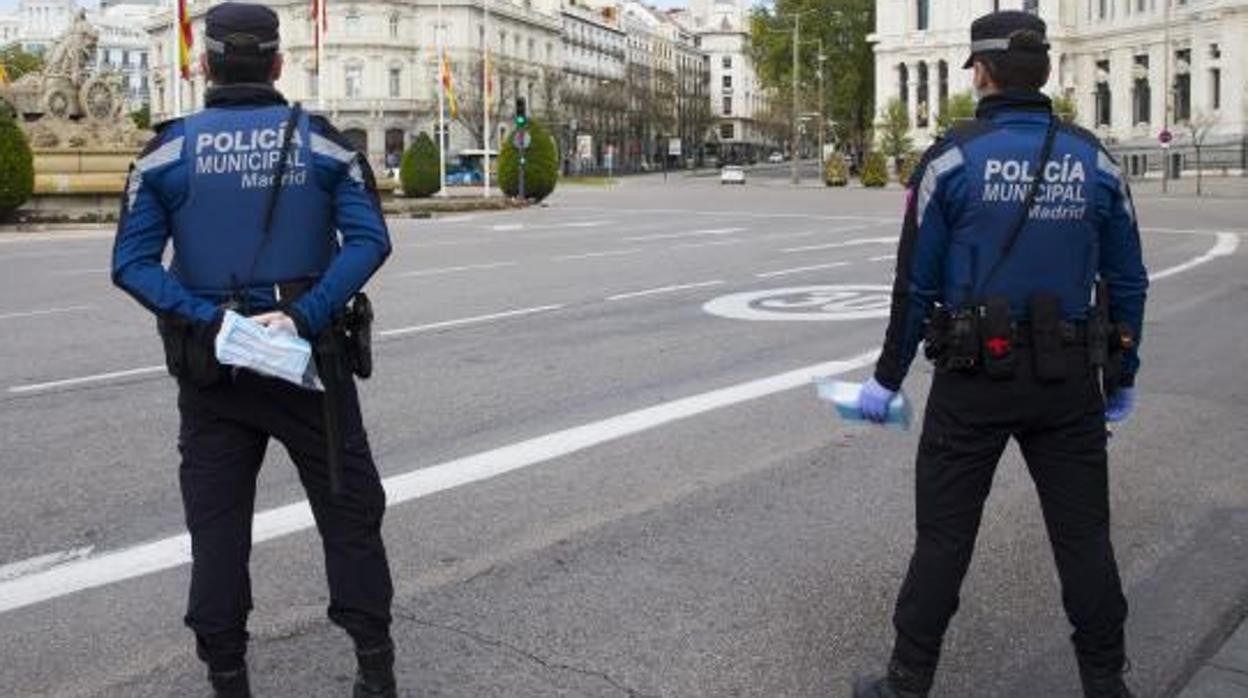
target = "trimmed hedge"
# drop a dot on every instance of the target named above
(541, 165)
(835, 173)
(874, 170)
(17, 167)
(419, 172)
(906, 167)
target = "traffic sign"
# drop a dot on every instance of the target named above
(522, 139)
(1165, 136)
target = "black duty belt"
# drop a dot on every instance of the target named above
(1072, 334)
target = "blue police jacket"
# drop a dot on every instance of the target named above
(205, 182)
(965, 196)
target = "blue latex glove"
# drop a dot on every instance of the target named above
(873, 401)
(1120, 405)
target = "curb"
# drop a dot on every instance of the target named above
(1225, 674)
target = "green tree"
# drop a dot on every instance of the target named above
(17, 167)
(420, 171)
(1065, 108)
(959, 107)
(835, 173)
(894, 130)
(874, 170)
(541, 165)
(848, 68)
(142, 118)
(906, 168)
(16, 62)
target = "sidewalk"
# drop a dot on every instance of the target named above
(1225, 675)
(1212, 187)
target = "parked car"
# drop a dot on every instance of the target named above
(732, 174)
(775, 157)
(459, 175)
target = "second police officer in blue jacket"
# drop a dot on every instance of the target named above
(206, 182)
(1012, 220)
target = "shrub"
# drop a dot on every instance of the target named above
(420, 170)
(905, 168)
(541, 165)
(874, 170)
(17, 167)
(835, 173)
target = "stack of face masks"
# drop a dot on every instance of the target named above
(245, 343)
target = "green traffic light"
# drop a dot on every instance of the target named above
(521, 121)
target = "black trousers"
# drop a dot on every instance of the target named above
(225, 430)
(1060, 428)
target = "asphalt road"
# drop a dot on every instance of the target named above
(598, 487)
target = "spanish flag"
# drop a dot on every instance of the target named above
(4, 75)
(448, 86)
(186, 39)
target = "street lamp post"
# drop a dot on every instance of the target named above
(794, 169)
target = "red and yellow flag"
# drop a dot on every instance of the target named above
(320, 27)
(4, 75)
(186, 39)
(448, 86)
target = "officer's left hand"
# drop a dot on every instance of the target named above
(1120, 405)
(873, 401)
(278, 321)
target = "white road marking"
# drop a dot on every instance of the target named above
(17, 238)
(175, 551)
(585, 224)
(45, 255)
(847, 243)
(593, 255)
(712, 243)
(687, 234)
(507, 226)
(787, 236)
(81, 272)
(399, 331)
(884, 258)
(85, 380)
(42, 562)
(1193, 231)
(663, 289)
(797, 270)
(452, 270)
(1225, 246)
(48, 311)
(458, 219)
(894, 220)
(444, 243)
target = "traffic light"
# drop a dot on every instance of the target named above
(522, 112)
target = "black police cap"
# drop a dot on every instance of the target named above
(994, 33)
(240, 27)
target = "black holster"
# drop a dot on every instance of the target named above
(952, 339)
(1047, 353)
(357, 334)
(996, 339)
(189, 351)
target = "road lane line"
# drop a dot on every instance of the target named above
(42, 562)
(787, 236)
(48, 311)
(399, 331)
(453, 270)
(687, 234)
(85, 380)
(884, 258)
(847, 243)
(797, 270)
(175, 551)
(594, 255)
(1225, 246)
(712, 243)
(875, 220)
(81, 272)
(507, 226)
(585, 224)
(662, 289)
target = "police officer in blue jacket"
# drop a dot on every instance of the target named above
(206, 182)
(1011, 221)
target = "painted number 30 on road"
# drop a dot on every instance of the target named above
(805, 304)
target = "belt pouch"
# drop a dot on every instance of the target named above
(935, 334)
(1046, 338)
(996, 339)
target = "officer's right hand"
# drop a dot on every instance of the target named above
(1120, 405)
(873, 401)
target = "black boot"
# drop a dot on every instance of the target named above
(230, 684)
(900, 682)
(1104, 684)
(375, 677)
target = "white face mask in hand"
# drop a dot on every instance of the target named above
(245, 343)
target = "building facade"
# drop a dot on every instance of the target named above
(380, 69)
(595, 67)
(1112, 58)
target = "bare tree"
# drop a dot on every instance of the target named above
(1198, 128)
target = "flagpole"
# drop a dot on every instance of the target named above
(319, 30)
(443, 67)
(175, 77)
(485, 96)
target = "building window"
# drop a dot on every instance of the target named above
(314, 84)
(394, 26)
(1104, 101)
(903, 83)
(1142, 94)
(921, 97)
(924, 12)
(942, 85)
(1215, 88)
(1032, 6)
(726, 131)
(727, 62)
(1215, 51)
(396, 82)
(354, 80)
(1183, 85)
(353, 22)
(1102, 9)
(727, 106)
(727, 82)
